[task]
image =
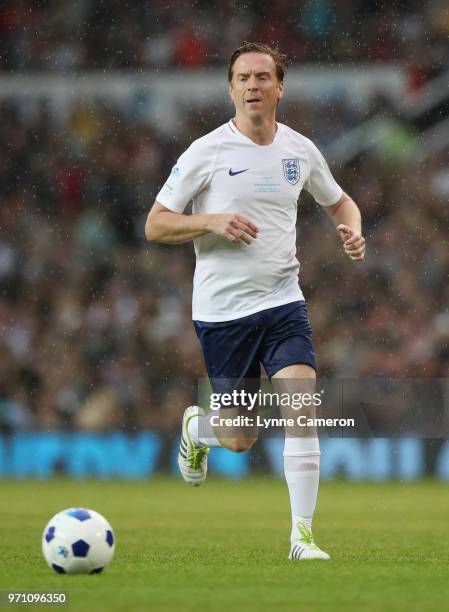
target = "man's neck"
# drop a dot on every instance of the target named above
(262, 133)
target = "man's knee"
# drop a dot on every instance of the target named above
(239, 444)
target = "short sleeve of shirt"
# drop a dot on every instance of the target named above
(320, 182)
(189, 176)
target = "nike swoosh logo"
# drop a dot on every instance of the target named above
(232, 173)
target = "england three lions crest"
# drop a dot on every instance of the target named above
(291, 170)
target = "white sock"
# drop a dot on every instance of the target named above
(201, 431)
(302, 473)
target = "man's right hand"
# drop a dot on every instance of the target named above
(233, 227)
(168, 227)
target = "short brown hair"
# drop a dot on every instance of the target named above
(280, 60)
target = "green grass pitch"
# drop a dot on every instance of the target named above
(225, 545)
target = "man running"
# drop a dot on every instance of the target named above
(245, 178)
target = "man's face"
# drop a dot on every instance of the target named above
(255, 89)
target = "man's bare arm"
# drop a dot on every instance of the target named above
(347, 219)
(169, 227)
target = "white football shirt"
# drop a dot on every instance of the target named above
(226, 172)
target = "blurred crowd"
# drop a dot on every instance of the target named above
(74, 35)
(95, 327)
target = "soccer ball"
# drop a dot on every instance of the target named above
(78, 541)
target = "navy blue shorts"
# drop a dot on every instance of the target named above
(276, 337)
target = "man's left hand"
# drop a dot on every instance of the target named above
(353, 242)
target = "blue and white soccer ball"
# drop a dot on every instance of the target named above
(78, 541)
